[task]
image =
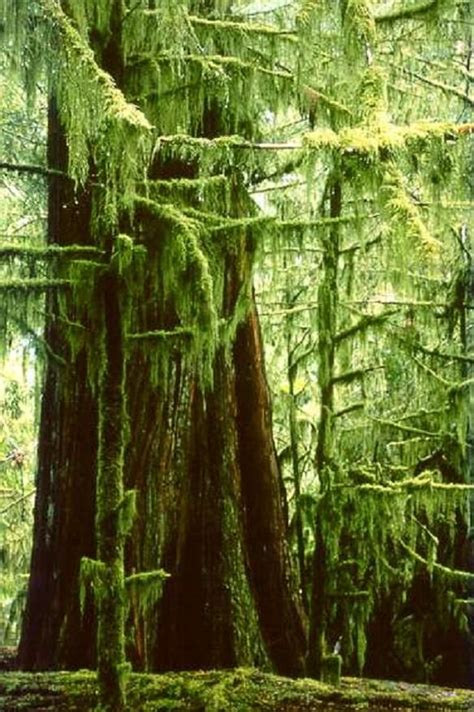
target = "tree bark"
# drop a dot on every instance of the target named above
(110, 503)
(54, 633)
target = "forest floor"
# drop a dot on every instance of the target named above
(241, 690)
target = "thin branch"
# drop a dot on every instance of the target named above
(403, 428)
(179, 332)
(446, 88)
(402, 11)
(31, 169)
(17, 502)
(439, 354)
(452, 573)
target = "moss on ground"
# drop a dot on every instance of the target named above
(238, 690)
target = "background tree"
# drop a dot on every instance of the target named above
(353, 310)
(22, 218)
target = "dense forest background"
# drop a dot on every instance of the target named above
(236, 307)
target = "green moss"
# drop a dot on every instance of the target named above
(33, 285)
(241, 690)
(190, 272)
(90, 578)
(384, 136)
(144, 589)
(359, 25)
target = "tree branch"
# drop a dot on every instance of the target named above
(403, 12)
(32, 169)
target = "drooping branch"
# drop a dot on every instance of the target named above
(446, 88)
(438, 354)
(456, 574)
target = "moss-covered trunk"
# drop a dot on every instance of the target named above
(327, 326)
(110, 503)
(231, 598)
(207, 617)
(201, 457)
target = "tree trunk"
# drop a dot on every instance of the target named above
(327, 325)
(210, 499)
(54, 633)
(274, 583)
(110, 502)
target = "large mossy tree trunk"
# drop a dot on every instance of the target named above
(210, 505)
(230, 599)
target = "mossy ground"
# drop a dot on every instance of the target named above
(238, 690)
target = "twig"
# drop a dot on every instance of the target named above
(17, 501)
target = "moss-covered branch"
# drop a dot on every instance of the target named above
(162, 334)
(8, 250)
(444, 355)
(213, 61)
(362, 325)
(33, 285)
(406, 11)
(385, 136)
(451, 574)
(405, 428)
(445, 88)
(359, 140)
(30, 169)
(351, 376)
(245, 28)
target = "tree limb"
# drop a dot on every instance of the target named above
(32, 169)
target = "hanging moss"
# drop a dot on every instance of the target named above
(212, 191)
(91, 577)
(359, 25)
(145, 589)
(403, 209)
(373, 100)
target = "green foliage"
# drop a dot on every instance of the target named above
(91, 577)
(17, 410)
(144, 589)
